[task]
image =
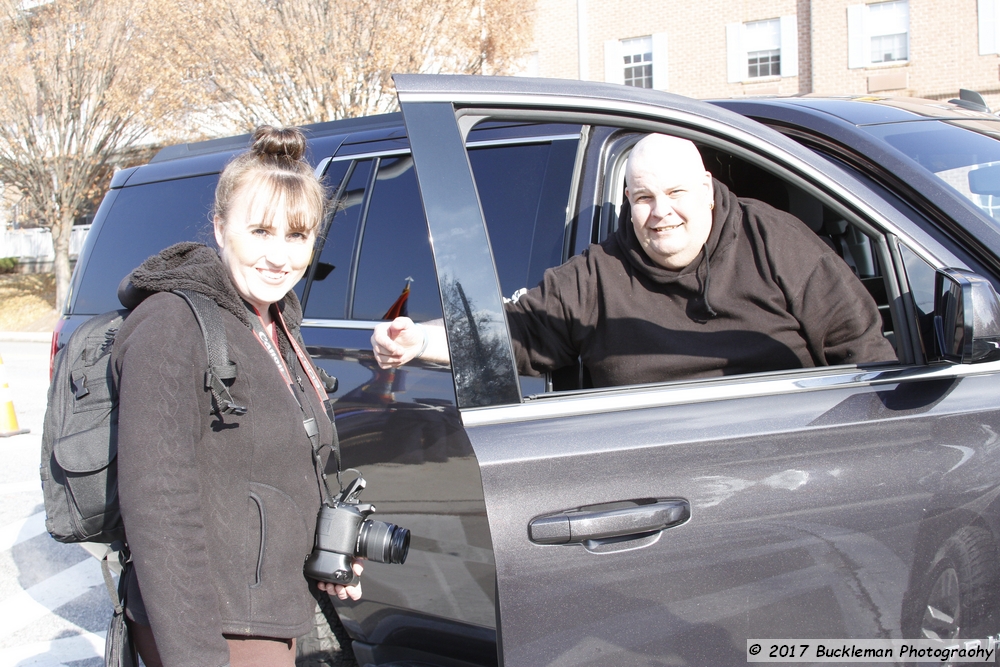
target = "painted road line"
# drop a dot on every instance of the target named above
(26, 607)
(54, 653)
(19, 531)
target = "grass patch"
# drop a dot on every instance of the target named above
(25, 298)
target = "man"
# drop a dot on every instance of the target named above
(701, 284)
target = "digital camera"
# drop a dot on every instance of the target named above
(344, 531)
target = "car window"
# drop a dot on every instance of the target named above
(964, 155)
(858, 245)
(524, 190)
(327, 292)
(144, 220)
(921, 278)
(395, 251)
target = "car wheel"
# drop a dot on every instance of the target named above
(958, 599)
(327, 644)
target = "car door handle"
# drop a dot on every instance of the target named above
(581, 525)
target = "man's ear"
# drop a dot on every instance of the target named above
(711, 186)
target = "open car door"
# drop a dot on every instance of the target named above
(669, 523)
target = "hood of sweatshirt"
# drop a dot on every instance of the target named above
(195, 267)
(726, 222)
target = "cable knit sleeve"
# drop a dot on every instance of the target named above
(160, 357)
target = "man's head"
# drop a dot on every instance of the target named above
(671, 197)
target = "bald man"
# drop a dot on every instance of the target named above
(701, 284)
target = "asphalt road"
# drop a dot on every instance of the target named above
(54, 607)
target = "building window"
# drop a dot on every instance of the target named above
(763, 44)
(889, 21)
(638, 56)
(637, 61)
(878, 33)
(760, 49)
(989, 27)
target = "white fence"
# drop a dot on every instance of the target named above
(35, 245)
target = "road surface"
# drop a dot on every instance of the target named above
(54, 607)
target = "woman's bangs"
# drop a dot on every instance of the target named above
(272, 191)
(290, 192)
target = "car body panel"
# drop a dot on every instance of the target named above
(804, 521)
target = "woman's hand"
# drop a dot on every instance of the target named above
(344, 592)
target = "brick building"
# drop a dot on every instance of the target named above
(728, 48)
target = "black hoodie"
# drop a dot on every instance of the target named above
(765, 294)
(220, 511)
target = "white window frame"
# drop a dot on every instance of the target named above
(737, 63)
(614, 61)
(989, 27)
(860, 32)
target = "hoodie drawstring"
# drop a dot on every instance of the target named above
(704, 291)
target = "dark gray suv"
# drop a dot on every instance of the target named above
(556, 524)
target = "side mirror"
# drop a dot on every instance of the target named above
(985, 180)
(966, 317)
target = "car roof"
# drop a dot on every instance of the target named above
(363, 126)
(209, 157)
(867, 109)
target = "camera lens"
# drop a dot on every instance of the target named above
(383, 542)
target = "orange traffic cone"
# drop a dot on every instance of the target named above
(8, 419)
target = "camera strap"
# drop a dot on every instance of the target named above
(308, 421)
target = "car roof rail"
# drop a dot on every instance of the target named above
(311, 131)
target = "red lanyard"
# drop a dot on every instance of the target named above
(260, 333)
(308, 423)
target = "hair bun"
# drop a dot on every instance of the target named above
(270, 141)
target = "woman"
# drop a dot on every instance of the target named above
(220, 509)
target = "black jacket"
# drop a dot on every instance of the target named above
(219, 511)
(765, 294)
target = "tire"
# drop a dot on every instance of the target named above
(327, 644)
(958, 593)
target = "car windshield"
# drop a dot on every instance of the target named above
(963, 154)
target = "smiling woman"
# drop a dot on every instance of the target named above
(266, 219)
(218, 519)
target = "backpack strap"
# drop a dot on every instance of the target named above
(221, 371)
(119, 649)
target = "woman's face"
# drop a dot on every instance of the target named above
(264, 261)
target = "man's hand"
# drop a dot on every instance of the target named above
(344, 592)
(398, 342)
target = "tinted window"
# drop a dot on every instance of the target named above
(524, 191)
(967, 160)
(921, 276)
(327, 298)
(143, 221)
(395, 250)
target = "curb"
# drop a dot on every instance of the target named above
(25, 336)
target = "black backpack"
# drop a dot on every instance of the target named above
(80, 433)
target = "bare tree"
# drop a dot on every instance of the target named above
(67, 108)
(302, 61)
(85, 81)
